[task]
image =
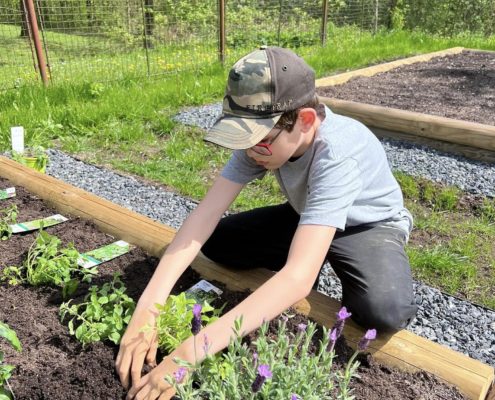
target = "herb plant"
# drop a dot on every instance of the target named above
(6, 370)
(104, 314)
(36, 152)
(47, 264)
(174, 320)
(280, 368)
(8, 216)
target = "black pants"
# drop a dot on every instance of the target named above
(370, 261)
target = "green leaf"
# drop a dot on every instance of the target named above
(9, 334)
(103, 300)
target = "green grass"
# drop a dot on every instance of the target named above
(126, 124)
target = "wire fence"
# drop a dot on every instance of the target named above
(103, 40)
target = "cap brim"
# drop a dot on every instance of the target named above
(240, 133)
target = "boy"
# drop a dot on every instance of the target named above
(344, 206)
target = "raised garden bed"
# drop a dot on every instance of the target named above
(403, 348)
(54, 365)
(447, 96)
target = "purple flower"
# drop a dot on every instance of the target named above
(333, 335)
(342, 315)
(255, 358)
(301, 327)
(263, 373)
(180, 374)
(366, 339)
(196, 320)
(294, 397)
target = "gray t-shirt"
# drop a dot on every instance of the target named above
(342, 180)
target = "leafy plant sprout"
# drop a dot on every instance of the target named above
(48, 264)
(104, 314)
(8, 216)
(273, 368)
(6, 370)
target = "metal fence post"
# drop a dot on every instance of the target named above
(33, 24)
(376, 16)
(221, 31)
(324, 22)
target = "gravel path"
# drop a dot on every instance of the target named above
(441, 318)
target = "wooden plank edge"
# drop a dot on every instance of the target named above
(440, 128)
(441, 145)
(471, 376)
(384, 67)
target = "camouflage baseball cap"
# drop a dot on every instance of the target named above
(260, 88)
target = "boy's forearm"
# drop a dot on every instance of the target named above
(269, 300)
(178, 256)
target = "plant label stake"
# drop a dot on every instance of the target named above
(203, 291)
(38, 223)
(17, 137)
(103, 254)
(7, 193)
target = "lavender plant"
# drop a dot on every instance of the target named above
(281, 368)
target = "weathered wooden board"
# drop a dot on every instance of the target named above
(439, 128)
(402, 349)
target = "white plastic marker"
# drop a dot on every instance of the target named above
(203, 291)
(7, 193)
(103, 254)
(38, 223)
(17, 137)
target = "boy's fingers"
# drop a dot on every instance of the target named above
(122, 365)
(137, 364)
(151, 356)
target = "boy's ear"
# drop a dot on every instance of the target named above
(307, 117)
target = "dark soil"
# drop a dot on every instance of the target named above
(460, 86)
(53, 365)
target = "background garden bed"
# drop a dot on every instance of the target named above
(458, 86)
(54, 365)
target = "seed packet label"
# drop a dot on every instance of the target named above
(103, 254)
(38, 223)
(7, 193)
(203, 291)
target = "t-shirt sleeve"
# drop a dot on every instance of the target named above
(332, 188)
(242, 169)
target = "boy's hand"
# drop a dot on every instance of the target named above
(139, 344)
(153, 385)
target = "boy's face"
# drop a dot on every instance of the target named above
(276, 148)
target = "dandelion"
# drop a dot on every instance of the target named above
(180, 374)
(366, 339)
(263, 373)
(196, 320)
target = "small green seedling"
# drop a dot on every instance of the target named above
(8, 217)
(104, 314)
(47, 264)
(174, 320)
(6, 370)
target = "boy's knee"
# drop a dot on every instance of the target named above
(384, 315)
